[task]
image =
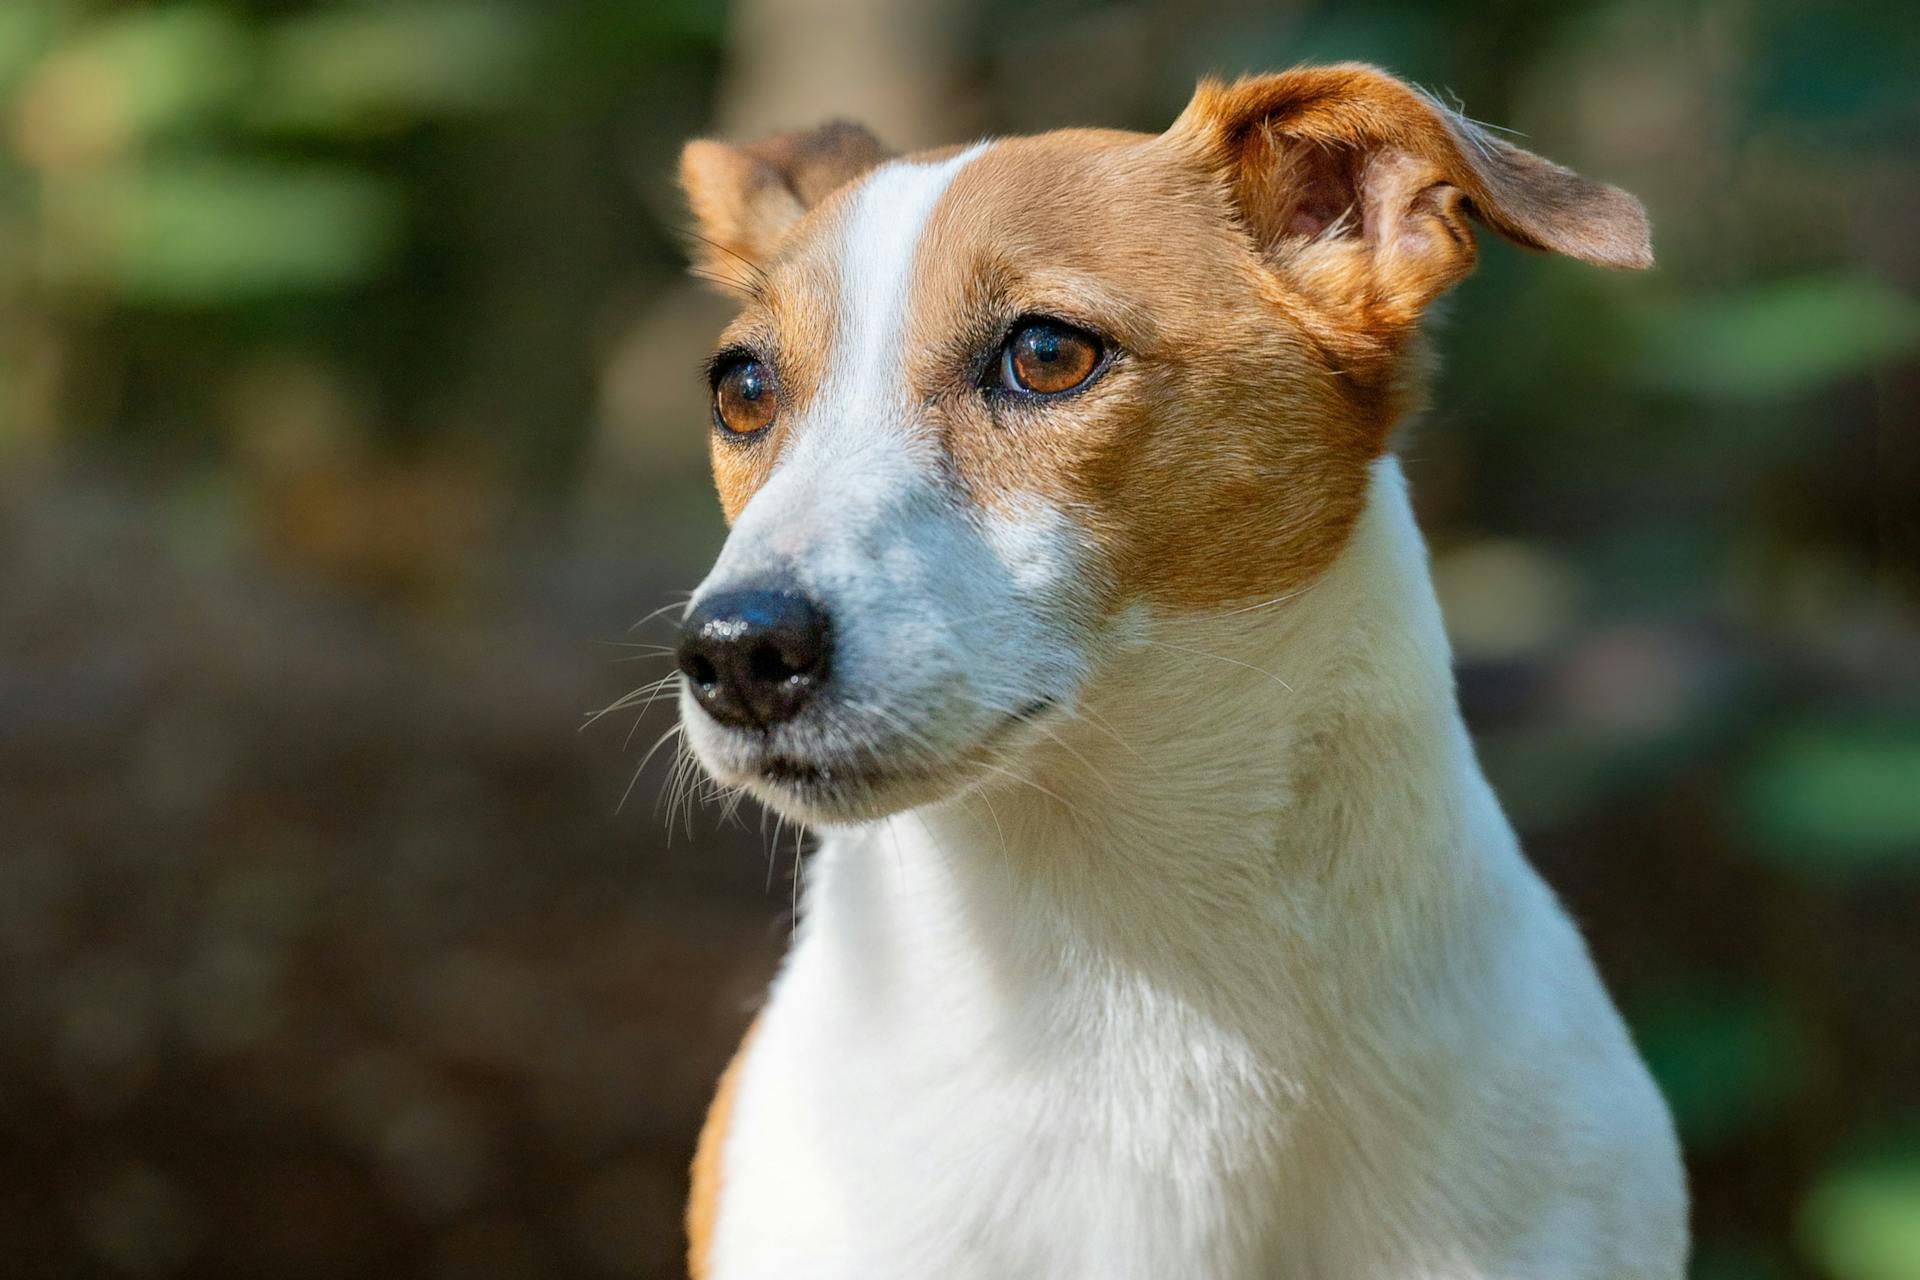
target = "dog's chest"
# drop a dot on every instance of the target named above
(925, 1146)
(913, 1105)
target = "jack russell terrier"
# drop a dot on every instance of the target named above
(1163, 923)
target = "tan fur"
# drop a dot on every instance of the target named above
(1262, 267)
(1199, 481)
(708, 1174)
(748, 199)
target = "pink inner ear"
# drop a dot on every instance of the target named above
(1326, 192)
(1291, 190)
(1312, 216)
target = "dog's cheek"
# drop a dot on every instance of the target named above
(740, 468)
(1234, 490)
(1229, 480)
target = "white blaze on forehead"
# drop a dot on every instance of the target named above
(851, 460)
(889, 213)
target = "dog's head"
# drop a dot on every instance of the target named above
(985, 409)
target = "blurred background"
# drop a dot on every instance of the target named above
(350, 417)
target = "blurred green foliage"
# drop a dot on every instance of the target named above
(1837, 799)
(1780, 339)
(210, 231)
(301, 178)
(369, 293)
(1863, 1219)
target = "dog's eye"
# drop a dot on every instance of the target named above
(1046, 357)
(743, 397)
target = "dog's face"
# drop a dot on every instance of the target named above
(986, 413)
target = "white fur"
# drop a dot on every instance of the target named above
(1236, 972)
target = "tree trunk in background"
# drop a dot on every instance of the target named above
(888, 65)
(790, 64)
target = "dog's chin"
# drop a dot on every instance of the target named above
(847, 782)
(831, 792)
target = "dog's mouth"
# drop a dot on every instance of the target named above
(861, 783)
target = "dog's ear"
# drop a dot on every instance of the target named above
(745, 199)
(1361, 186)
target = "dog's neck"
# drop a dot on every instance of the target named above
(1248, 801)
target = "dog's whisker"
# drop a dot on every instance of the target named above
(686, 784)
(1221, 657)
(1092, 718)
(1025, 781)
(799, 865)
(1006, 852)
(641, 768)
(1267, 604)
(1073, 751)
(646, 694)
(732, 799)
(754, 270)
(669, 797)
(679, 602)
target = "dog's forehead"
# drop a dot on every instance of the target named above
(1087, 199)
(915, 236)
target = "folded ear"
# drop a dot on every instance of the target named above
(1361, 185)
(746, 198)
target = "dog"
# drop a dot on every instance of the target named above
(1163, 923)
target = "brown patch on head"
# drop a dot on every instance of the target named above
(1260, 270)
(1218, 456)
(747, 199)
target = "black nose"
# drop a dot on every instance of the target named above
(754, 657)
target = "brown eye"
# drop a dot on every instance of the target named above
(743, 399)
(1045, 357)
